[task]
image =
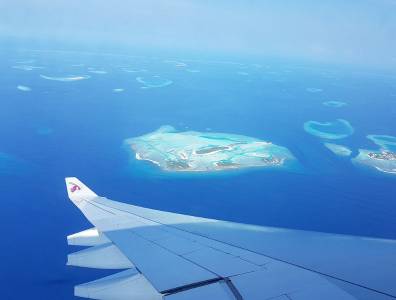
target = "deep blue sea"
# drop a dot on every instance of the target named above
(51, 129)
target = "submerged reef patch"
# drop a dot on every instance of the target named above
(155, 81)
(338, 149)
(176, 63)
(98, 72)
(193, 151)
(26, 67)
(27, 61)
(193, 70)
(44, 130)
(66, 78)
(24, 88)
(337, 129)
(133, 70)
(314, 90)
(335, 104)
(384, 141)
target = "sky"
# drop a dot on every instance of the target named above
(335, 31)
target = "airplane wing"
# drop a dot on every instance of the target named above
(170, 256)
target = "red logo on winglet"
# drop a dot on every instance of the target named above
(74, 187)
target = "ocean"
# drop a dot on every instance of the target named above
(68, 113)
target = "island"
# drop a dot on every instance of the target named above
(383, 155)
(194, 151)
(382, 160)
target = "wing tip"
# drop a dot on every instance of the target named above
(78, 191)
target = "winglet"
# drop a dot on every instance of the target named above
(78, 191)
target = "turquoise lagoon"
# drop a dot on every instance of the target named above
(384, 141)
(337, 129)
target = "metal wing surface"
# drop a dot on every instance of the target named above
(170, 256)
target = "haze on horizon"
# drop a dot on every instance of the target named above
(332, 31)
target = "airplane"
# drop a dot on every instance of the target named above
(170, 256)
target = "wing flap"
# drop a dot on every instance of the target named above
(106, 256)
(89, 237)
(125, 285)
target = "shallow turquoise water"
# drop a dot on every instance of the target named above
(332, 130)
